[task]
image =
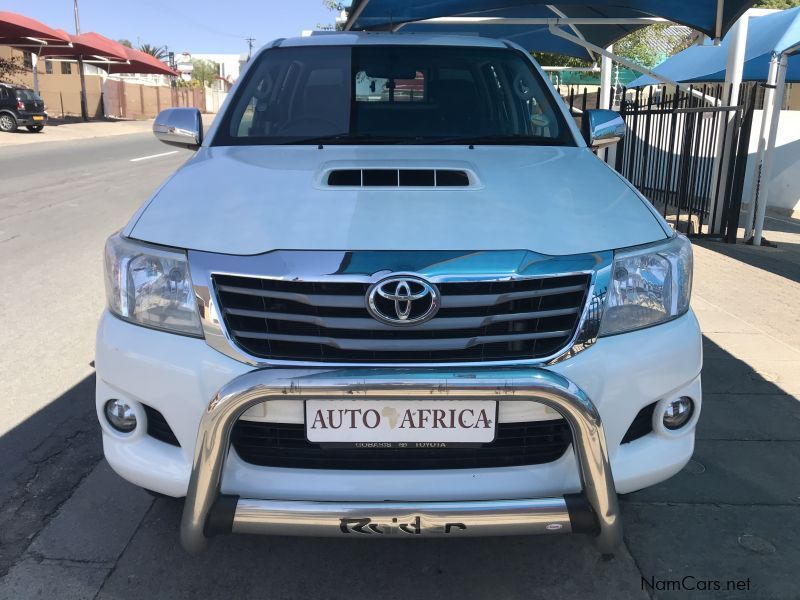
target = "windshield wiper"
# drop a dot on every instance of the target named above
(512, 139)
(346, 138)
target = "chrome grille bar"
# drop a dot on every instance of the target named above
(310, 299)
(494, 300)
(432, 345)
(442, 323)
(458, 301)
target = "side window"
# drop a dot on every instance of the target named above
(48, 66)
(3, 94)
(66, 68)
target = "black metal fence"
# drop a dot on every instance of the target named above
(685, 151)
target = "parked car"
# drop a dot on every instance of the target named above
(396, 292)
(20, 107)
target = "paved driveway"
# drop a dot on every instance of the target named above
(70, 528)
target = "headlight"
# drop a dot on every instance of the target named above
(151, 286)
(649, 285)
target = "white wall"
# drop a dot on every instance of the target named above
(784, 187)
(214, 99)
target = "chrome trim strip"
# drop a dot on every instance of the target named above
(332, 300)
(441, 323)
(255, 387)
(369, 267)
(493, 300)
(400, 344)
(402, 519)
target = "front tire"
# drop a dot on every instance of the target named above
(8, 123)
(34, 128)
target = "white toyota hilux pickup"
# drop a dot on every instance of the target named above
(395, 293)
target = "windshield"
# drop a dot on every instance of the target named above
(26, 95)
(392, 94)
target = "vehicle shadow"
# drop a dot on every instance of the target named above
(42, 461)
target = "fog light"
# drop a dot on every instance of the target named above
(678, 412)
(120, 416)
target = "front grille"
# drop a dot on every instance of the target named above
(328, 321)
(285, 445)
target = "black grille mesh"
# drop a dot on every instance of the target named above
(285, 445)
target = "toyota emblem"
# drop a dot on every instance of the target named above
(403, 301)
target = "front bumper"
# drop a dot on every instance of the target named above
(177, 376)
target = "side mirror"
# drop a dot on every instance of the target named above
(602, 128)
(179, 127)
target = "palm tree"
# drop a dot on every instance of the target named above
(158, 51)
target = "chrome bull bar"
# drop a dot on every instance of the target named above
(594, 510)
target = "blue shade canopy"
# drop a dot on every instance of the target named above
(697, 14)
(766, 35)
(537, 38)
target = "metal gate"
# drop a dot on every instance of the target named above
(687, 153)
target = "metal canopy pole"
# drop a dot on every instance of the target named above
(575, 30)
(35, 63)
(570, 21)
(351, 19)
(766, 115)
(84, 109)
(775, 109)
(718, 23)
(607, 154)
(725, 134)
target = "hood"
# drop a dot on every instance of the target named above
(253, 199)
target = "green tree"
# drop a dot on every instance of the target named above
(204, 71)
(126, 43)
(10, 68)
(638, 46)
(551, 59)
(779, 4)
(160, 52)
(333, 6)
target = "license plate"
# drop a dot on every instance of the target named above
(35, 118)
(400, 423)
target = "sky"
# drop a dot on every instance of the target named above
(195, 26)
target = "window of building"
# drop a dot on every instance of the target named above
(66, 68)
(27, 59)
(48, 66)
